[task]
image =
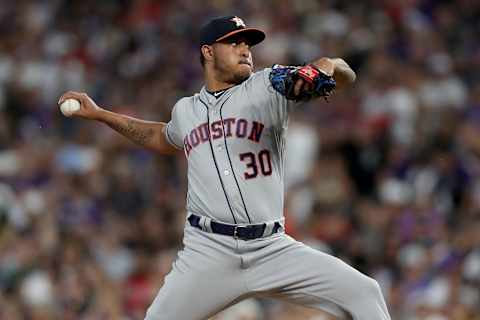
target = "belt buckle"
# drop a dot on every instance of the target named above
(235, 232)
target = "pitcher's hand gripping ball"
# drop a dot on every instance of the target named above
(69, 107)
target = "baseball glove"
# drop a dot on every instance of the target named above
(284, 78)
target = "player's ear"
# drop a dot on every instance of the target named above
(207, 52)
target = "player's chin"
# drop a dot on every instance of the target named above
(242, 73)
(245, 68)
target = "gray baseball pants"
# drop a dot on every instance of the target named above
(213, 272)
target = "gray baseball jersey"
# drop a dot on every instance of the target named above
(235, 150)
(234, 145)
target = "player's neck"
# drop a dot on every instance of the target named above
(212, 83)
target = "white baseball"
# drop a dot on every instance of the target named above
(69, 107)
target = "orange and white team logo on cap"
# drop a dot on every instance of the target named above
(239, 22)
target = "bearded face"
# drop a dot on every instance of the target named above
(232, 60)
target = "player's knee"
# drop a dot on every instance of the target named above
(370, 289)
(151, 314)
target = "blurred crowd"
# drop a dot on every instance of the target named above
(385, 176)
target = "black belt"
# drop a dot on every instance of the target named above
(248, 232)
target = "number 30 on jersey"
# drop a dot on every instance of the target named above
(257, 163)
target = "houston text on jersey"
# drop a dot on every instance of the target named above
(230, 127)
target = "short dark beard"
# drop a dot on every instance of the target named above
(238, 78)
(230, 77)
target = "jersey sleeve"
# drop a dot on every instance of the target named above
(275, 106)
(173, 131)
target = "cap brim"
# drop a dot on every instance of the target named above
(254, 36)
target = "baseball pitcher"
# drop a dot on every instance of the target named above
(233, 136)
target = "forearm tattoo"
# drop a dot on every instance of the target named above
(134, 132)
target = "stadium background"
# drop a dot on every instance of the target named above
(385, 176)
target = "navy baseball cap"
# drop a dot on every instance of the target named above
(225, 27)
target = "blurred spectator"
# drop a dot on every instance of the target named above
(386, 176)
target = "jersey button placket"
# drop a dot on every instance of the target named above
(220, 150)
